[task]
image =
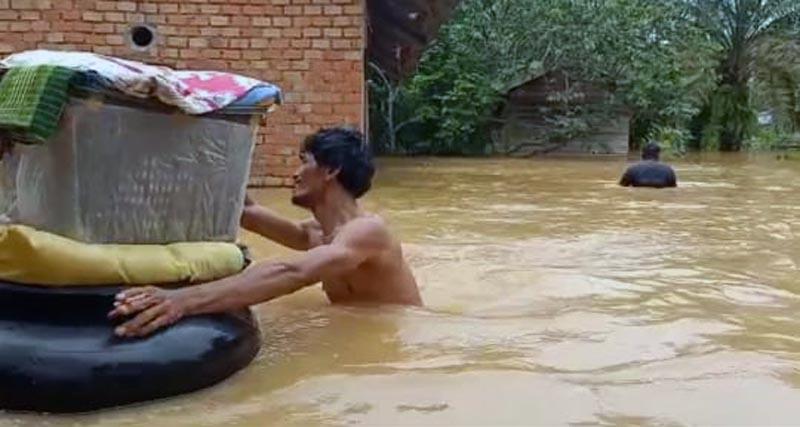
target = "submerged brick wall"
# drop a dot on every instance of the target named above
(313, 49)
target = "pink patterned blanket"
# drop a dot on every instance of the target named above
(194, 92)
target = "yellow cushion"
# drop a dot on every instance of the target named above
(29, 256)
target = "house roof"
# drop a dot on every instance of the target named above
(399, 30)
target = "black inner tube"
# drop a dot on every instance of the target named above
(58, 353)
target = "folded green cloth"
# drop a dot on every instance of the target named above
(32, 100)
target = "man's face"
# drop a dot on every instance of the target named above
(310, 180)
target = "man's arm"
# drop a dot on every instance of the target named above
(270, 280)
(673, 179)
(626, 180)
(157, 308)
(267, 223)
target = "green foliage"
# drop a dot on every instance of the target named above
(693, 73)
(674, 141)
(776, 84)
(771, 138)
(629, 47)
(755, 53)
(390, 112)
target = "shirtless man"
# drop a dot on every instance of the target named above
(349, 250)
(650, 172)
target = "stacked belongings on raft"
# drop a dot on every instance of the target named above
(116, 173)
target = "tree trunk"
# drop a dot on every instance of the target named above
(730, 140)
(735, 121)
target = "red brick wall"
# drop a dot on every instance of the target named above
(313, 49)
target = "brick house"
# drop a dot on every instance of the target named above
(313, 49)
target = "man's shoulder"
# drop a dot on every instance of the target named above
(368, 224)
(665, 167)
(312, 227)
(367, 229)
(649, 165)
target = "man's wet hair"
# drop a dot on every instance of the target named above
(343, 149)
(651, 151)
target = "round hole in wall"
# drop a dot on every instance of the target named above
(142, 37)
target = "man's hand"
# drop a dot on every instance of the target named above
(247, 200)
(154, 308)
(263, 221)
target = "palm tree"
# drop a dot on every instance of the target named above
(741, 29)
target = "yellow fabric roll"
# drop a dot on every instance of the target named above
(29, 256)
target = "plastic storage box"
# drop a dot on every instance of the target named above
(132, 171)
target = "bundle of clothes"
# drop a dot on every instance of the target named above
(35, 87)
(36, 84)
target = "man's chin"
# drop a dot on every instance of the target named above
(300, 200)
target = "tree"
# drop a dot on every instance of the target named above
(744, 31)
(386, 99)
(634, 48)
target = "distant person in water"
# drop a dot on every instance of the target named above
(650, 172)
(351, 251)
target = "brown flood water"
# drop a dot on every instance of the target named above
(553, 297)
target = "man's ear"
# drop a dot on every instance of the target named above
(331, 174)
